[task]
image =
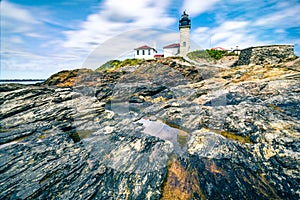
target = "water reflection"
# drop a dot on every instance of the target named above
(156, 128)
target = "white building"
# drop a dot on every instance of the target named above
(144, 52)
(181, 49)
(172, 50)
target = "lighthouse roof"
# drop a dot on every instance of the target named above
(184, 21)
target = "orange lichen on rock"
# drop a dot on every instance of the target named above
(181, 184)
(211, 166)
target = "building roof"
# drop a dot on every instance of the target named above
(158, 55)
(176, 45)
(184, 21)
(144, 47)
(219, 48)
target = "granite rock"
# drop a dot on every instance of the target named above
(232, 133)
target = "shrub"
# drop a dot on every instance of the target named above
(208, 54)
(216, 54)
(109, 65)
(116, 64)
(202, 54)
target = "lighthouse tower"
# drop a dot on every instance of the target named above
(184, 27)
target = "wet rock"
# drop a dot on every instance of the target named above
(231, 134)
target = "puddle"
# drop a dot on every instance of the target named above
(159, 129)
(79, 135)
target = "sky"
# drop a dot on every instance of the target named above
(39, 38)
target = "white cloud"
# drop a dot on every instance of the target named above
(201, 30)
(14, 12)
(15, 19)
(28, 50)
(287, 16)
(196, 7)
(30, 65)
(16, 39)
(280, 31)
(119, 46)
(232, 25)
(229, 30)
(112, 19)
(115, 17)
(228, 35)
(34, 35)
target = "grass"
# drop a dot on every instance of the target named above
(199, 54)
(208, 55)
(113, 65)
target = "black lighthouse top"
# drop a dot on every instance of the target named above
(184, 21)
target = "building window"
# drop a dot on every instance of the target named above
(143, 52)
(137, 52)
(184, 44)
(149, 51)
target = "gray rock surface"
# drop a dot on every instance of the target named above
(271, 54)
(232, 134)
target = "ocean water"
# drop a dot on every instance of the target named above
(21, 82)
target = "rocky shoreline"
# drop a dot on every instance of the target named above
(79, 135)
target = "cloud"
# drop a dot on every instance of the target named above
(23, 64)
(29, 47)
(16, 40)
(15, 12)
(15, 19)
(201, 30)
(196, 7)
(115, 17)
(38, 39)
(119, 46)
(247, 24)
(229, 29)
(228, 34)
(287, 16)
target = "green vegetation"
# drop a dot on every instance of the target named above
(208, 54)
(117, 64)
(199, 54)
(216, 54)
(109, 65)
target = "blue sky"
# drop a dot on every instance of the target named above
(39, 38)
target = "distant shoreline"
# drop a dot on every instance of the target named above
(21, 80)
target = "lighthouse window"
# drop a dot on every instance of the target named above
(149, 52)
(137, 52)
(184, 44)
(143, 52)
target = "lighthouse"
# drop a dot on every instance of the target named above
(184, 27)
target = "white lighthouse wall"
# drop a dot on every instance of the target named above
(184, 41)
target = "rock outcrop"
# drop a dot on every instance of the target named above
(163, 130)
(262, 55)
